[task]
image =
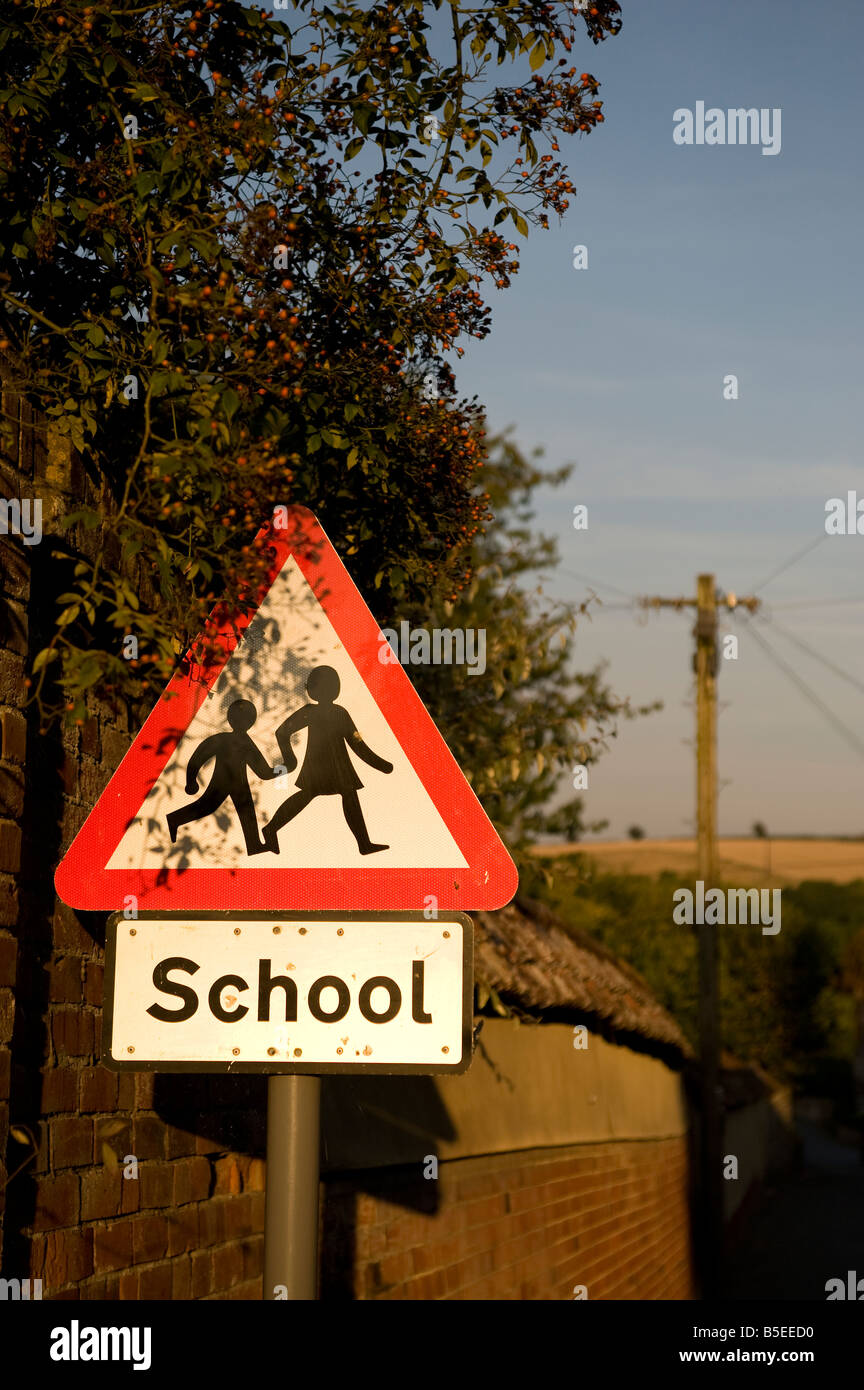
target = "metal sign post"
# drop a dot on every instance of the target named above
(291, 1210)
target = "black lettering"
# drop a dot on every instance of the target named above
(418, 1013)
(329, 982)
(161, 981)
(266, 985)
(384, 982)
(216, 989)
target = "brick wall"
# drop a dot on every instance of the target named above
(190, 1225)
(613, 1217)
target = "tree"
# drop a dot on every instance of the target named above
(201, 294)
(524, 723)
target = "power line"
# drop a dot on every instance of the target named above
(799, 555)
(811, 651)
(848, 734)
(815, 602)
(595, 583)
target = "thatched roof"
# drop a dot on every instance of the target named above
(533, 962)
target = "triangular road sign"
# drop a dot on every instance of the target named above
(289, 767)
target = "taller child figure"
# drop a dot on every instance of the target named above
(327, 769)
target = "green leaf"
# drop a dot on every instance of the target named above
(538, 56)
(353, 148)
(42, 658)
(230, 402)
(363, 115)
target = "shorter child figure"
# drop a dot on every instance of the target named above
(234, 753)
(327, 769)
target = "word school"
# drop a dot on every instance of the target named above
(736, 126)
(710, 907)
(266, 985)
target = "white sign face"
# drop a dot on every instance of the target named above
(293, 992)
(268, 674)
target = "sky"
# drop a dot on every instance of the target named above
(705, 261)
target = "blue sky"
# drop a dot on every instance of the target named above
(703, 261)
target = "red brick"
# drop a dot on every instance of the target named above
(202, 1273)
(73, 1033)
(112, 1247)
(8, 900)
(156, 1283)
(183, 1231)
(253, 1257)
(90, 745)
(227, 1267)
(8, 959)
(94, 974)
(7, 1015)
(181, 1278)
(60, 1090)
(68, 1258)
(57, 1202)
(64, 980)
(10, 847)
(239, 1217)
(148, 1138)
(213, 1222)
(13, 737)
(98, 1089)
(150, 1238)
(128, 1286)
(179, 1143)
(191, 1180)
(71, 1141)
(106, 1193)
(157, 1184)
(228, 1180)
(69, 934)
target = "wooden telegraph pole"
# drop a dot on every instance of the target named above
(705, 665)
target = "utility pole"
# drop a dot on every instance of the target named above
(705, 665)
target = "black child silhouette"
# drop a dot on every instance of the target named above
(235, 754)
(327, 769)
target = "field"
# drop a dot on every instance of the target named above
(778, 862)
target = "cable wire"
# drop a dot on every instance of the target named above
(811, 545)
(848, 734)
(811, 651)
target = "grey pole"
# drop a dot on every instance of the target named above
(291, 1209)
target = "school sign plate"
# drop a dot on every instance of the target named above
(289, 992)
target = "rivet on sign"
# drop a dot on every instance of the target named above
(130, 1049)
(338, 1052)
(132, 931)
(445, 1049)
(339, 931)
(298, 1052)
(236, 1051)
(236, 931)
(446, 933)
(271, 1052)
(302, 931)
(276, 931)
